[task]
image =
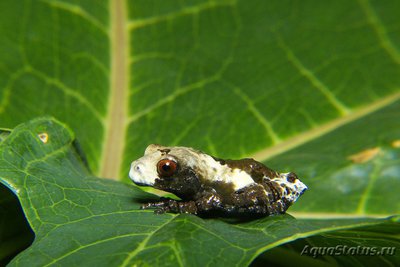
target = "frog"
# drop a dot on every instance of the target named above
(207, 185)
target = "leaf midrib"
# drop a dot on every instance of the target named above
(116, 122)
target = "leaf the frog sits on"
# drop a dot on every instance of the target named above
(208, 185)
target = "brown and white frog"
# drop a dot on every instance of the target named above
(209, 185)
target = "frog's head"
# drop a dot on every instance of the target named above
(172, 169)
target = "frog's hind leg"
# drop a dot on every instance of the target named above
(250, 200)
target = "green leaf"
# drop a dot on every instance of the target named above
(98, 221)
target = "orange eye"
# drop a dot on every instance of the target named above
(166, 167)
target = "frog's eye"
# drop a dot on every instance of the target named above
(166, 167)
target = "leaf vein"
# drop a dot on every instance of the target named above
(78, 11)
(266, 124)
(187, 11)
(317, 83)
(97, 242)
(144, 242)
(368, 189)
(171, 97)
(380, 31)
(67, 91)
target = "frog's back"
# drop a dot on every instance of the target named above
(286, 187)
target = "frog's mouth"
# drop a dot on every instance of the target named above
(138, 180)
(139, 183)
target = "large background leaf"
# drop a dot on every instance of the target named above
(229, 77)
(303, 86)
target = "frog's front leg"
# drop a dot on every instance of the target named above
(171, 205)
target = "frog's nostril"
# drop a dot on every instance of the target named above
(137, 167)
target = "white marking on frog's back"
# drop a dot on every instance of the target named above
(213, 171)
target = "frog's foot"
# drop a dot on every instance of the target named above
(170, 205)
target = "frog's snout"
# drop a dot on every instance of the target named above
(140, 174)
(135, 169)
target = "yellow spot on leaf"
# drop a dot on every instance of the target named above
(364, 155)
(396, 144)
(44, 137)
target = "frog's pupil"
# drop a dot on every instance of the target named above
(166, 167)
